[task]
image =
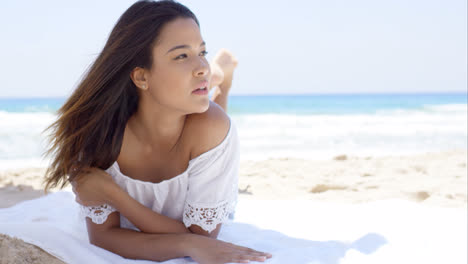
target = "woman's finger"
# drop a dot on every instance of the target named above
(253, 252)
(245, 249)
(257, 258)
(239, 260)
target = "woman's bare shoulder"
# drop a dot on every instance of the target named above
(206, 130)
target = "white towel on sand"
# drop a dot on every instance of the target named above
(294, 231)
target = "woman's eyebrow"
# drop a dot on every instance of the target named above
(183, 47)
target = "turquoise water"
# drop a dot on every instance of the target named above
(285, 104)
(338, 104)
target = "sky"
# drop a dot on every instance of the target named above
(283, 47)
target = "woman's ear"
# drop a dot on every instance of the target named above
(138, 78)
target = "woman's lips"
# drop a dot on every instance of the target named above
(202, 88)
(203, 91)
(202, 84)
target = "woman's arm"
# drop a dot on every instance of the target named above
(149, 221)
(141, 216)
(133, 244)
(161, 247)
(96, 187)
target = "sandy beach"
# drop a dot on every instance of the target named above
(435, 179)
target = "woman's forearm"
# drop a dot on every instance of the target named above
(137, 245)
(142, 217)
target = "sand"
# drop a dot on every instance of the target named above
(13, 250)
(434, 179)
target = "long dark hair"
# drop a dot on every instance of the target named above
(90, 125)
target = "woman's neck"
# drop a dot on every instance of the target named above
(157, 127)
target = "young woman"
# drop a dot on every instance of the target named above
(153, 162)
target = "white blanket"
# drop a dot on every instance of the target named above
(302, 231)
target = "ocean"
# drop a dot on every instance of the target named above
(278, 126)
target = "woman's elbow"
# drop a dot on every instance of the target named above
(101, 240)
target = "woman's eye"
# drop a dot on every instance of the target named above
(185, 55)
(179, 57)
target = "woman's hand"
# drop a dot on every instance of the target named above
(92, 186)
(206, 250)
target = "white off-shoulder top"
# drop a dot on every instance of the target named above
(205, 194)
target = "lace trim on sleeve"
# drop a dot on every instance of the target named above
(98, 214)
(207, 217)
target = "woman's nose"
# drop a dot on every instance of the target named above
(203, 68)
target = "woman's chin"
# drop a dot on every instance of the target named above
(202, 107)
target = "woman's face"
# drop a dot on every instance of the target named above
(179, 66)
